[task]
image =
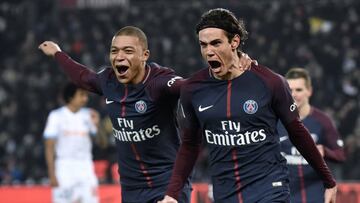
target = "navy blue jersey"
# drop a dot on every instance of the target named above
(143, 119)
(238, 121)
(143, 125)
(305, 184)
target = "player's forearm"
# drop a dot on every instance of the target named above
(77, 72)
(185, 161)
(51, 170)
(302, 140)
(50, 160)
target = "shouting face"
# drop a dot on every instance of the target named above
(128, 57)
(218, 51)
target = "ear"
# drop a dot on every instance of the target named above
(310, 91)
(235, 42)
(146, 55)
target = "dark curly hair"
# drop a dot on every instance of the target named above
(69, 91)
(223, 19)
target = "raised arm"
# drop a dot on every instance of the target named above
(78, 73)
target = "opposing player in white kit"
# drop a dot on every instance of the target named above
(68, 149)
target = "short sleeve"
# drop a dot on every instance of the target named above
(52, 126)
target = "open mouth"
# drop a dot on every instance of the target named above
(121, 68)
(214, 64)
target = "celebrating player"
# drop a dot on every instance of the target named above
(236, 113)
(305, 184)
(141, 100)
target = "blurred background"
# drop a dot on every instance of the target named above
(322, 36)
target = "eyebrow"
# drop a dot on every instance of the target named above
(211, 42)
(125, 47)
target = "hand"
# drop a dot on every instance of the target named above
(321, 149)
(330, 195)
(49, 48)
(53, 181)
(245, 62)
(168, 199)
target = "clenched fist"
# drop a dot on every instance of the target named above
(49, 48)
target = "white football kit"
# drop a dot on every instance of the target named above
(73, 162)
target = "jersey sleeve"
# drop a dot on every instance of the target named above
(301, 139)
(189, 148)
(333, 144)
(283, 103)
(51, 130)
(78, 73)
(166, 85)
(285, 108)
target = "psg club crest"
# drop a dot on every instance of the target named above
(140, 106)
(250, 107)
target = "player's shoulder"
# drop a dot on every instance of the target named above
(156, 70)
(270, 77)
(105, 70)
(84, 110)
(265, 72)
(157, 76)
(58, 112)
(321, 116)
(106, 73)
(195, 81)
(199, 76)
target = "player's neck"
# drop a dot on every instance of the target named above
(235, 70)
(73, 108)
(235, 73)
(304, 111)
(140, 76)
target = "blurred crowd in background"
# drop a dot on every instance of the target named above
(322, 36)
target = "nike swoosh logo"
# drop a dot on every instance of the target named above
(283, 138)
(201, 109)
(108, 101)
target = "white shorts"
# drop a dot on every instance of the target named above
(77, 182)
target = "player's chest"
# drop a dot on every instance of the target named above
(233, 100)
(75, 125)
(138, 106)
(315, 129)
(128, 101)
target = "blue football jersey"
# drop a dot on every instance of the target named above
(305, 183)
(238, 121)
(144, 124)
